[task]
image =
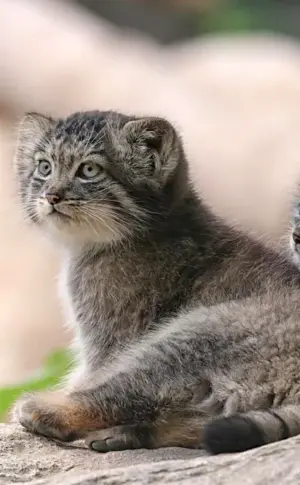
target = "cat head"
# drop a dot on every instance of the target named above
(98, 176)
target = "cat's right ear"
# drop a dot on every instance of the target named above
(33, 126)
(158, 143)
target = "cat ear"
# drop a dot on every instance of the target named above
(156, 137)
(33, 126)
(31, 129)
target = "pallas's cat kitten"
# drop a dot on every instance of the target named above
(186, 329)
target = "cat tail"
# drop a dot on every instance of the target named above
(241, 432)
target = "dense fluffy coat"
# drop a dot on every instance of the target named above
(187, 330)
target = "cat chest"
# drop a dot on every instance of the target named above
(119, 291)
(99, 295)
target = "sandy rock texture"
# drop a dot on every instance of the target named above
(31, 460)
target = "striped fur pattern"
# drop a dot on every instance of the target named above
(187, 330)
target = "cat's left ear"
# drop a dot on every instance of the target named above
(158, 140)
(33, 126)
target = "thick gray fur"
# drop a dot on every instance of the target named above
(187, 330)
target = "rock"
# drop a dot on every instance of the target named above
(32, 460)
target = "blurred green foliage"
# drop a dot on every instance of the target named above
(56, 366)
(251, 15)
(228, 17)
(171, 21)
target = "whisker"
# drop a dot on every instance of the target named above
(88, 222)
(119, 219)
(102, 220)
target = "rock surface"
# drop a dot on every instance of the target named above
(31, 460)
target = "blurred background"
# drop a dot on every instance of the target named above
(226, 73)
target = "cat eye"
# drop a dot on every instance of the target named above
(44, 168)
(88, 170)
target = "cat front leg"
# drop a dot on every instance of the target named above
(141, 386)
(154, 381)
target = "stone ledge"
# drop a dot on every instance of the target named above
(31, 460)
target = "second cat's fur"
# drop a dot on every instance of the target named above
(182, 322)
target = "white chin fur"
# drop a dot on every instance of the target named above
(72, 235)
(67, 232)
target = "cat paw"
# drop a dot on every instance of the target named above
(51, 415)
(118, 438)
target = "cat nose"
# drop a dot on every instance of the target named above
(52, 198)
(296, 236)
